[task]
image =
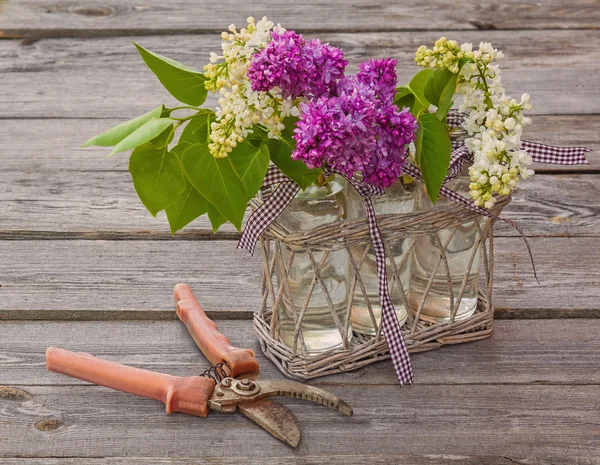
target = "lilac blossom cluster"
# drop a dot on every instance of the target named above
(358, 129)
(297, 67)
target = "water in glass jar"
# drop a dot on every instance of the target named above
(325, 312)
(459, 252)
(398, 199)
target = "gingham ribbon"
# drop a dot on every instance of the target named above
(540, 153)
(389, 319)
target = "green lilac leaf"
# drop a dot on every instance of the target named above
(143, 134)
(446, 99)
(217, 181)
(406, 99)
(115, 135)
(417, 86)
(164, 138)
(281, 154)
(418, 144)
(157, 175)
(287, 134)
(197, 129)
(436, 84)
(189, 206)
(184, 83)
(257, 136)
(435, 148)
(251, 165)
(216, 219)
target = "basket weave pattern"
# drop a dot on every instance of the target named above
(419, 333)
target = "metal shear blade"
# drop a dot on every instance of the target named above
(230, 393)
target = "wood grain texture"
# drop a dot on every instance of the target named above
(488, 420)
(61, 77)
(56, 145)
(76, 279)
(371, 459)
(99, 17)
(104, 205)
(532, 352)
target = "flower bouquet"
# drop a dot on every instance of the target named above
(373, 202)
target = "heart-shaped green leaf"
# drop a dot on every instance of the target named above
(189, 206)
(157, 176)
(115, 135)
(435, 147)
(217, 181)
(436, 83)
(184, 83)
(143, 134)
(251, 165)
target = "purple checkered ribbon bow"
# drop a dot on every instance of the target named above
(287, 189)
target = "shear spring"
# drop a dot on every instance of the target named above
(217, 372)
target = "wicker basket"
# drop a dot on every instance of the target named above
(419, 333)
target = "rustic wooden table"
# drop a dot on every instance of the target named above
(84, 266)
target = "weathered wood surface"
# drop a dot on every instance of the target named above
(527, 395)
(496, 419)
(81, 279)
(371, 459)
(533, 352)
(61, 77)
(56, 145)
(104, 205)
(35, 18)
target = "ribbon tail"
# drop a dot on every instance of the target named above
(389, 319)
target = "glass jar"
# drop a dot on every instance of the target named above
(324, 319)
(398, 199)
(459, 252)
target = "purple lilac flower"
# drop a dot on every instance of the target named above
(359, 129)
(298, 67)
(381, 74)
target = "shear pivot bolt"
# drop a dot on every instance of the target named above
(246, 385)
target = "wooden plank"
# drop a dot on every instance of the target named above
(134, 279)
(51, 18)
(325, 459)
(56, 146)
(488, 420)
(105, 77)
(519, 352)
(104, 205)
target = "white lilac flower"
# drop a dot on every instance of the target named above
(240, 107)
(494, 122)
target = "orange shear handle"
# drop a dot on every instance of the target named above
(188, 395)
(215, 346)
